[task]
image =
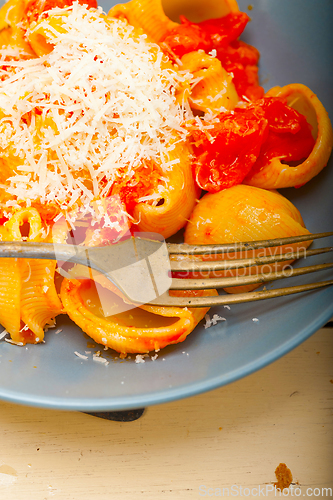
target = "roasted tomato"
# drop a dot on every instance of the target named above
(228, 156)
(241, 59)
(244, 141)
(207, 35)
(289, 134)
(220, 34)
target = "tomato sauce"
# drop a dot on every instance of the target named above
(245, 140)
(222, 35)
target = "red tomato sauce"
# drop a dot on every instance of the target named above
(222, 35)
(245, 140)
(143, 182)
(236, 144)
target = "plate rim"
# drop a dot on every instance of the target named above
(169, 395)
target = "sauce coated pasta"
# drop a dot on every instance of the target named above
(121, 122)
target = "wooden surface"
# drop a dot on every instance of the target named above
(235, 435)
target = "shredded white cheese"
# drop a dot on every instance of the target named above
(212, 321)
(100, 360)
(95, 108)
(139, 358)
(13, 342)
(82, 356)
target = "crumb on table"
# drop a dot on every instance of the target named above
(284, 477)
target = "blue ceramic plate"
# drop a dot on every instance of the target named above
(295, 42)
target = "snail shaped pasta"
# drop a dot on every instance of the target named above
(245, 213)
(277, 174)
(176, 198)
(103, 313)
(138, 330)
(28, 300)
(145, 14)
(215, 90)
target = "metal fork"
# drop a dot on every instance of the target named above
(141, 268)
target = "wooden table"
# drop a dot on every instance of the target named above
(236, 435)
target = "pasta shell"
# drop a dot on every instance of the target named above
(139, 330)
(277, 175)
(197, 10)
(177, 200)
(29, 292)
(245, 213)
(145, 14)
(214, 90)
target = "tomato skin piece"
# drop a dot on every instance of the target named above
(207, 35)
(185, 38)
(281, 117)
(226, 29)
(227, 160)
(241, 59)
(238, 52)
(289, 134)
(247, 139)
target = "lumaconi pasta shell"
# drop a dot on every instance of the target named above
(29, 298)
(5, 36)
(277, 175)
(245, 213)
(197, 9)
(10, 292)
(118, 332)
(145, 14)
(39, 35)
(215, 90)
(11, 33)
(177, 200)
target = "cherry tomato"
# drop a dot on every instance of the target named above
(241, 60)
(220, 34)
(229, 157)
(289, 134)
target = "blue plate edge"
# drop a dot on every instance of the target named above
(171, 395)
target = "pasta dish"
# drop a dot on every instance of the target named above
(131, 122)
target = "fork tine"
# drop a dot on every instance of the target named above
(184, 249)
(167, 300)
(224, 282)
(223, 265)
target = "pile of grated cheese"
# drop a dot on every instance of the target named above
(92, 110)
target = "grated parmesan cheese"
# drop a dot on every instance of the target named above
(100, 360)
(97, 106)
(212, 321)
(139, 358)
(81, 356)
(13, 342)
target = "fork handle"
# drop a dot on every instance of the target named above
(49, 251)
